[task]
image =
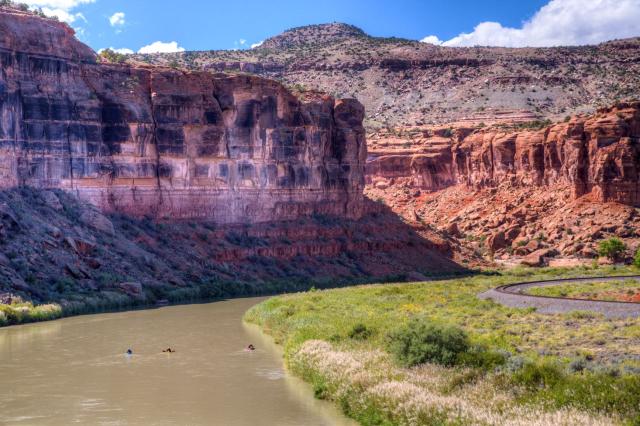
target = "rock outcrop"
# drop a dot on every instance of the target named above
(167, 143)
(597, 155)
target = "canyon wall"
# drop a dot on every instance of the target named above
(597, 155)
(168, 143)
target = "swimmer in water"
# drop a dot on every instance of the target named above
(251, 347)
(169, 350)
(129, 352)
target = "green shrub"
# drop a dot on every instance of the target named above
(482, 358)
(112, 56)
(613, 248)
(420, 342)
(360, 332)
(636, 259)
(534, 375)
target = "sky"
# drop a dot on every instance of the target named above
(167, 26)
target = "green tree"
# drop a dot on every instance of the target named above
(636, 259)
(112, 56)
(612, 248)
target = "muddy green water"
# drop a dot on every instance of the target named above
(74, 371)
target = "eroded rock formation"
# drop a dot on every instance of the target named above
(168, 143)
(597, 155)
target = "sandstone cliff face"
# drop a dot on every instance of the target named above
(598, 155)
(167, 143)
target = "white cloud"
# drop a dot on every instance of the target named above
(432, 40)
(61, 14)
(161, 47)
(561, 22)
(64, 15)
(57, 4)
(117, 19)
(239, 44)
(258, 44)
(122, 50)
(62, 9)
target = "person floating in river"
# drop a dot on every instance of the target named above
(129, 351)
(169, 350)
(251, 347)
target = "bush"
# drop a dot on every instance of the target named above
(480, 357)
(360, 332)
(577, 365)
(420, 342)
(613, 248)
(113, 56)
(447, 133)
(534, 375)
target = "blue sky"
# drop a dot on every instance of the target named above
(203, 25)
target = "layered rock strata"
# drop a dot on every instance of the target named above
(597, 155)
(167, 143)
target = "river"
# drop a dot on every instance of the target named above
(75, 371)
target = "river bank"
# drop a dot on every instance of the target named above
(364, 348)
(18, 311)
(25, 312)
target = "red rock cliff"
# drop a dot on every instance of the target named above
(599, 155)
(167, 143)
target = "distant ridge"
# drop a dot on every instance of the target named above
(313, 34)
(407, 82)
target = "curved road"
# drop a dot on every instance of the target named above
(512, 295)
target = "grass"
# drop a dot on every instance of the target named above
(623, 290)
(542, 369)
(75, 302)
(24, 312)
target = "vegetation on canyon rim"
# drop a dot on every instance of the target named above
(433, 353)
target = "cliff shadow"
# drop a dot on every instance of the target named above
(57, 249)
